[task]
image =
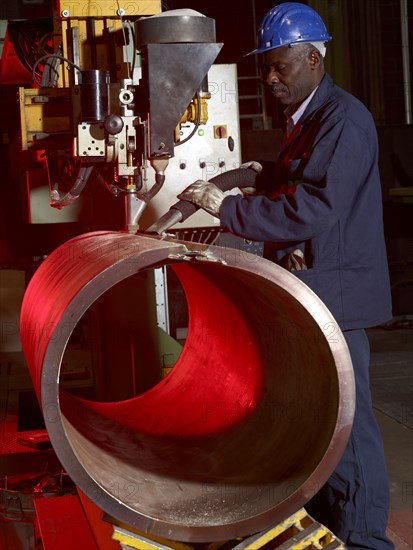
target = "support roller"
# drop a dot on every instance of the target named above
(247, 426)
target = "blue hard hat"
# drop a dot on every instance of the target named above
(290, 23)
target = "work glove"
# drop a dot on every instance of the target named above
(204, 194)
(294, 261)
(253, 165)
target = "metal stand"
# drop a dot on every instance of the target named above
(298, 532)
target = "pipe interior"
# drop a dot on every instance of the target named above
(241, 421)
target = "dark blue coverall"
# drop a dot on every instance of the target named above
(326, 200)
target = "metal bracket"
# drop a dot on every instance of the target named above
(299, 532)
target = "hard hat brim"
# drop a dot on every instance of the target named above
(268, 48)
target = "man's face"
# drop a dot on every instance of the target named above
(291, 74)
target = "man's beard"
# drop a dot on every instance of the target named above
(279, 92)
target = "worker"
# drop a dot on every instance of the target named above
(318, 210)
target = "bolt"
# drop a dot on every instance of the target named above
(120, 12)
(65, 13)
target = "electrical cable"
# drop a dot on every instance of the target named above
(124, 38)
(50, 75)
(49, 57)
(132, 31)
(197, 123)
(31, 39)
(82, 178)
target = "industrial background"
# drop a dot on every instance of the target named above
(371, 56)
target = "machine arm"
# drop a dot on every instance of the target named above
(181, 210)
(115, 93)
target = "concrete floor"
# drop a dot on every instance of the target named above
(392, 391)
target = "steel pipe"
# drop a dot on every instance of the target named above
(247, 426)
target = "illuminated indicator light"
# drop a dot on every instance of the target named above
(201, 132)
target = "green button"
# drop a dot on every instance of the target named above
(201, 132)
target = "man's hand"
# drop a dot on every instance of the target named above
(252, 165)
(204, 194)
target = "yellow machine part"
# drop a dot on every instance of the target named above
(298, 532)
(107, 16)
(191, 114)
(108, 8)
(44, 116)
